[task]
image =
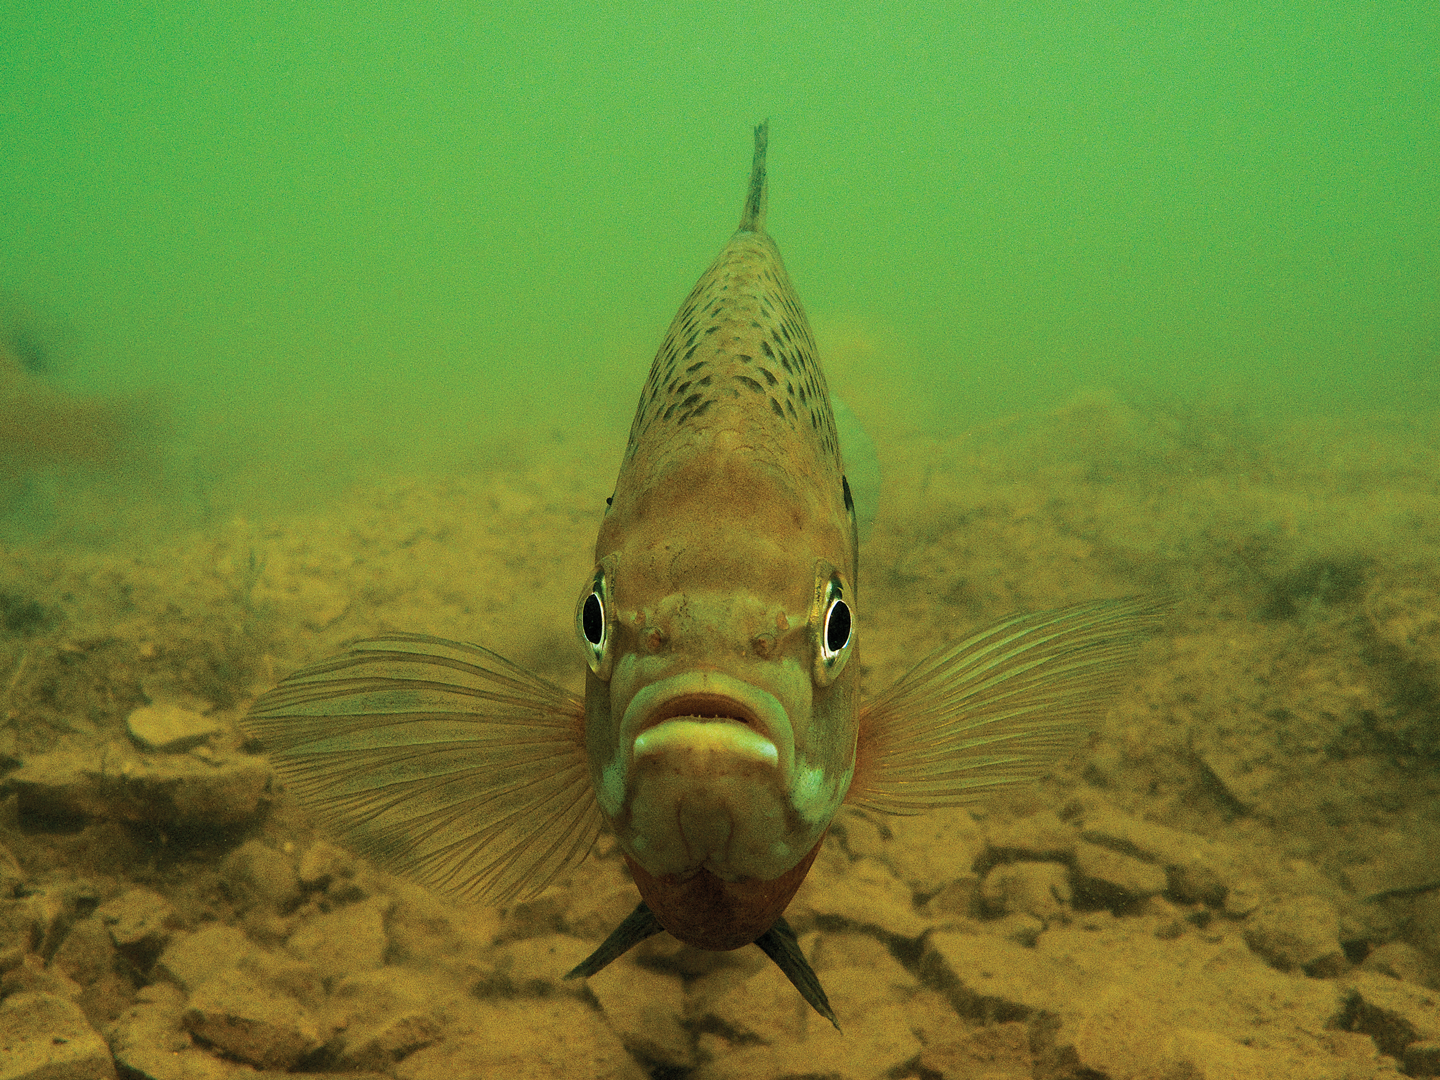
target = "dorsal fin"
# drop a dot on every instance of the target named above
(753, 219)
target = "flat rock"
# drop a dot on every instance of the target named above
(1393, 1013)
(995, 1052)
(593, 913)
(1297, 933)
(323, 864)
(86, 953)
(149, 1040)
(233, 1012)
(255, 873)
(1400, 960)
(542, 914)
(929, 851)
(344, 941)
(113, 782)
(1382, 877)
(190, 959)
(139, 918)
(1425, 922)
(763, 1028)
(33, 975)
(1122, 1041)
(1040, 837)
(533, 1039)
(862, 894)
(646, 1010)
(284, 974)
(1116, 990)
(169, 728)
(1405, 619)
(863, 832)
(960, 899)
(1041, 889)
(1243, 778)
(1243, 898)
(986, 976)
(428, 933)
(23, 923)
(754, 1006)
(535, 967)
(1400, 862)
(384, 1016)
(831, 951)
(1107, 878)
(46, 1037)
(1200, 870)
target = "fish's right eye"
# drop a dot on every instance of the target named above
(592, 620)
(592, 623)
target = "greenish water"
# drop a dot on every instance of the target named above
(389, 234)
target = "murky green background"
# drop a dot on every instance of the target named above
(339, 237)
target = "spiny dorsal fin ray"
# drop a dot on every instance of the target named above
(437, 759)
(752, 219)
(1001, 707)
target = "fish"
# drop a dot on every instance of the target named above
(723, 723)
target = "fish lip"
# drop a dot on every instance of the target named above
(715, 696)
(715, 707)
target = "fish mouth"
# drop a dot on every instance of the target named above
(713, 707)
(710, 710)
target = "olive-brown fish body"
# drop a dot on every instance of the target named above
(721, 731)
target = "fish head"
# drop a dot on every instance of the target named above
(720, 621)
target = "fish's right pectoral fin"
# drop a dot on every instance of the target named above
(1001, 707)
(438, 760)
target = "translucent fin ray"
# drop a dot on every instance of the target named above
(1000, 707)
(438, 760)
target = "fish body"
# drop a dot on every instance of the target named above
(722, 725)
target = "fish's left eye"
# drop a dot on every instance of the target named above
(837, 627)
(592, 623)
(835, 631)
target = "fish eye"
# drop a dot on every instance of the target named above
(837, 626)
(592, 623)
(835, 630)
(592, 619)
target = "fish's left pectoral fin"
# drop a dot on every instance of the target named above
(1001, 707)
(439, 760)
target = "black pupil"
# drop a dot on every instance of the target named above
(837, 626)
(592, 620)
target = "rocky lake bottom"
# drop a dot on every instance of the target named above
(1238, 878)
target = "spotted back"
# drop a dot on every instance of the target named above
(734, 444)
(740, 351)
